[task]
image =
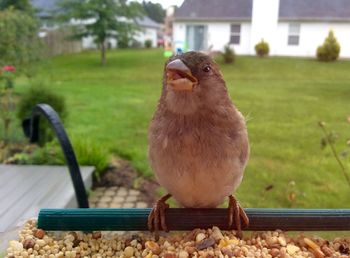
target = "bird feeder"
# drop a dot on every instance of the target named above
(87, 219)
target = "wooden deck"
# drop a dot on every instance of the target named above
(26, 189)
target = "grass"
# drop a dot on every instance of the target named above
(283, 99)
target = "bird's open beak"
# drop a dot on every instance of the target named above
(179, 76)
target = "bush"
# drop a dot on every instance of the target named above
(228, 55)
(148, 43)
(262, 48)
(40, 93)
(330, 49)
(87, 152)
(90, 154)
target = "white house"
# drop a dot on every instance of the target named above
(291, 27)
(149, 29)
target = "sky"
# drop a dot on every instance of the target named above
(166, 3)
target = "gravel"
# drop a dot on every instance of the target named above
(208, 243)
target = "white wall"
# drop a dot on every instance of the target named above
(311, 36)
(264, 23)
(145, 34)
(218, 35)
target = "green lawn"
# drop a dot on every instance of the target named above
(283, 99)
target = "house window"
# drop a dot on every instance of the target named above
(235, 36)
(294, 34)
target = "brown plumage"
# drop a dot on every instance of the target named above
(198, 141)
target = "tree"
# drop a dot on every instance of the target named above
(20, 5)
(154, 11)
(101, 19)
(19, 41)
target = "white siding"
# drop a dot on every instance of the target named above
(218, 35)
(179, 35)
(145, 34)
(264, 23)
(311, 36)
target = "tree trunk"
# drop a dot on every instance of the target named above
(103, 54)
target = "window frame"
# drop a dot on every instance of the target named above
(236, 34)
(293, 38)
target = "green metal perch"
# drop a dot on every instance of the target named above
(188, 219)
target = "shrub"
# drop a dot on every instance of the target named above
(90, 154)
(330, 49)
(262, 48)
(228, 55)
(40, 93)
(87, 152)
(148, 43)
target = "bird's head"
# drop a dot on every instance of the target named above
(191, 81)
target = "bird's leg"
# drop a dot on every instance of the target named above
(236, 213)
(156, 219)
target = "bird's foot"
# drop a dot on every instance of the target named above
(237, 215)
(156, 219)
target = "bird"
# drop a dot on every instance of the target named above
(198, 140)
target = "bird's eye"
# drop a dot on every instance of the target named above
(207, 69)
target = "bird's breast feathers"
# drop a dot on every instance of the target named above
(191, 157)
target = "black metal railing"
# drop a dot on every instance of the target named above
(31, 130)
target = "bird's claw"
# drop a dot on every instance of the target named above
(156, 218)
(237, 215)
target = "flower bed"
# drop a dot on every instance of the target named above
(209, 243)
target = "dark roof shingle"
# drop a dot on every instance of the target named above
(327, 10)
(44, 7)
(215, 10)
(320, 10)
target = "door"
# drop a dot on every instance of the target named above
(196, 37)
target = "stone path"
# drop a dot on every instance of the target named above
(116, 197)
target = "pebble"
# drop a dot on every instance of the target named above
(200, 237)
(318, 253)
(96, 235)
(153, 246)
(292, 249)
(16, 246)
(275, 252)
(183, 254)
(213, 243)
(39, 233)
(28, 243)
(169, 255)
(282, 241)
(129, 251)
(216, 234)
(40, 242)
(205, 243)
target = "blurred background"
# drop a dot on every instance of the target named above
(99, 63)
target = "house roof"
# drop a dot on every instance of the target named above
(44, 7)
(145, 21)
(215, 10)
(289, 10)
(321, 10)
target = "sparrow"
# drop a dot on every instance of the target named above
(198, 140)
